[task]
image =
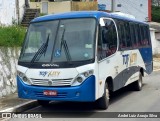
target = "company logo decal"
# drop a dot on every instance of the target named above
(132, 58)
(43, 73)
(125, 59)
(53, 73)
(50, 65)
(49, 73)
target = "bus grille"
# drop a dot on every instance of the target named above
(52, 82)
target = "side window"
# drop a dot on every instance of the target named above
(124, 34)
(136, 44)
(138, 36)
(128, 37)
(107, 44)
(146, 35)
(134, 37)
(123, 43)
(142, 35)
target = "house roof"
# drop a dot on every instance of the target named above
(82, 14)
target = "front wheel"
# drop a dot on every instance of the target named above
(43, 103)
(103, 102)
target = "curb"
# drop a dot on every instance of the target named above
(22, 107)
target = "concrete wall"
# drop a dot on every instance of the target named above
(86, 6)
(8, 11)
(59, 7)
(157, 36)
(21, 9)
(155, 42)
(65, 6)
(53, 7)
(8, 62)
(137, 8)
(35, 4)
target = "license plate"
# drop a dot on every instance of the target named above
(50, 93)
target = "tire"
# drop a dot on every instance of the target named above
(103, 102)
(43, 103)
(138, 83)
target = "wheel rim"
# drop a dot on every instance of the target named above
(107, 93)
(140, 81)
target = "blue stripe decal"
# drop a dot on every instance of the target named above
(146, 54)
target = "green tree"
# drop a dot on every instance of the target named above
(156, 13)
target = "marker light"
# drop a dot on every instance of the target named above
(86, 74)
(20, 74)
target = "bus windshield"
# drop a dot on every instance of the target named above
(60, 41)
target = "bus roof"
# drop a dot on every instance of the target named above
(82, 14)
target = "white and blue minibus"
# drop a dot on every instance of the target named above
(83, 56)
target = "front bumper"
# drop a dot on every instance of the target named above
(83, 93)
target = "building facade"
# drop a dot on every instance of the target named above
(155, 36)
(11, 11)
(49, 7)
(141, 9)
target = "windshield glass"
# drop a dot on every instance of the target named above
(59, 41)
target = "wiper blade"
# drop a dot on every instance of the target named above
(65, 46)
(41, 50)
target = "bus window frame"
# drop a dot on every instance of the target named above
(125, 48)
(101, 24)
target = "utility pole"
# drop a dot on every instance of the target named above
(113, 5)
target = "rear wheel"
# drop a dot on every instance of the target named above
(103, 102)
(43, 102)
(138, 83)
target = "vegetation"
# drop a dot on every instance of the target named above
(12, 36)
(156, 13)
(42, 14)
(156, 2)
(156, 10)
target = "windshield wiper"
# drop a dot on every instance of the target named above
(41, 50)
(65, 46)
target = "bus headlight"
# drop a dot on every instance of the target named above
(81, 77)
(23, 78)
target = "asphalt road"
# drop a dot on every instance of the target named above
(124, 100)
